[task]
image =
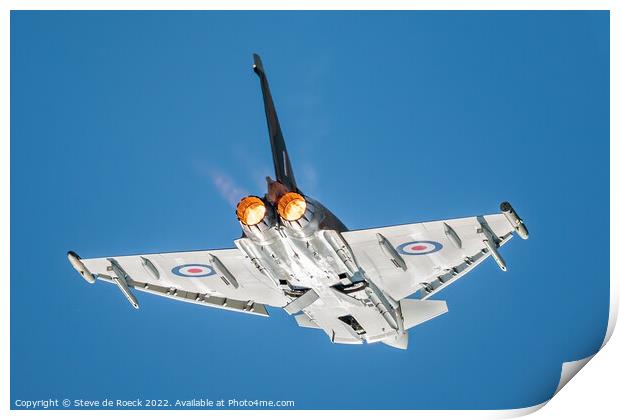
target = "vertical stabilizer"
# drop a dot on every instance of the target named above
(281, 160)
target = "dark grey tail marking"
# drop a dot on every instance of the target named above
(281, 159)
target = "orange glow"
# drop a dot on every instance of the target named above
(251, 210)
(291, 206)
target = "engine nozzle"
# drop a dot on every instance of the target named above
(291, 206)
(251, 210)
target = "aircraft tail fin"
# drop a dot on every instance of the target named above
(281, 160)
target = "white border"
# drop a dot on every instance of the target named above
(593, 394)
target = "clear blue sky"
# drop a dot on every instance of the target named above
(132, 133)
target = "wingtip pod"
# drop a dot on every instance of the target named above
(514, 219)
(79, 266)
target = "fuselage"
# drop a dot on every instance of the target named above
(296, 242)
(309, 258)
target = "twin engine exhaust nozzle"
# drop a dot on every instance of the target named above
(253, 210)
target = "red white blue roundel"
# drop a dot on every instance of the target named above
(419, 247)
(193, 270)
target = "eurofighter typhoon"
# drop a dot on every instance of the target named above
(369, 285)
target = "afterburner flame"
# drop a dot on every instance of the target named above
(291, 206)
(251, 210)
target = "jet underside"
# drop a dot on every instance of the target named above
(317, 272)
(357, 286)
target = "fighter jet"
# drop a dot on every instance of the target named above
(369, 285)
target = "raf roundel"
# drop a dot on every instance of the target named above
(419, 247)
(193, 270)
